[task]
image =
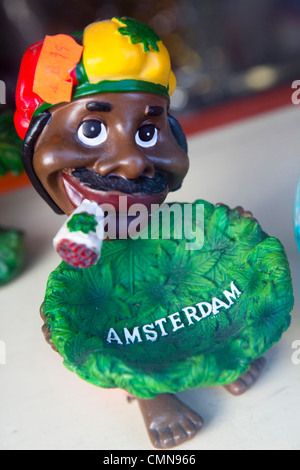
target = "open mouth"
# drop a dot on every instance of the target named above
(83, 184)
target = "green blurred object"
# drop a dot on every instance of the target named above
(11, 241)
(10, 146)
(11, 254)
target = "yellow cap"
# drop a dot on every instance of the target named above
(126, 51)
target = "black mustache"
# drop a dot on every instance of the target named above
(140, 185)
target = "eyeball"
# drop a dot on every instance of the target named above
(92, 133)
(146, 136)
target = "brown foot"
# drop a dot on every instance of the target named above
(243, 383)
(168, 421)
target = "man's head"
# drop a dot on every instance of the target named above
(112, 135)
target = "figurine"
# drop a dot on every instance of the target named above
(147, 315)
(12, 246)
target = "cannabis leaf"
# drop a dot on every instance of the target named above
(79, 348)
(10, 146)
(139, 33)
(131, 259)
(82, 222)
(154, 296)
(84, 296)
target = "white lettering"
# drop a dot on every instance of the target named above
(194, 226)
(176, 321)
(2, 92)
(113, 460)
(160, 324)
(204, 313)
(122, 216)
(137, 225)
(132, 337)
(296, 354)
(296, 94)
(231, 295)
(112, 336)
(150, 334)
(191, 312)
(163, 213)
(109, 221)
(217, 304)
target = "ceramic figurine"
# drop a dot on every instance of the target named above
(12, 246)
(152, 315)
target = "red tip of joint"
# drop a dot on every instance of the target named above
(76, 255)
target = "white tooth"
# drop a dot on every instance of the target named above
(74, 196)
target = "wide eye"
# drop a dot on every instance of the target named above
(146, 136)
(92, 133)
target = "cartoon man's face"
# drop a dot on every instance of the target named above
(107, 145)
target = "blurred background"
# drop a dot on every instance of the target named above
(220, 49)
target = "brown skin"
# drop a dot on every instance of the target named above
(169, 422)
(59, 150)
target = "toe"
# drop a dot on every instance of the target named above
(169, 422)
(243, 383)
(236, 388)
(162, 438)
(257, 366)
(193, 421)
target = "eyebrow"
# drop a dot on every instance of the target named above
(99, 106)
(154, 111)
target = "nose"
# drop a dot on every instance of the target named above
(127, 161)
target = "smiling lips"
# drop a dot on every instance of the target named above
(77, 192)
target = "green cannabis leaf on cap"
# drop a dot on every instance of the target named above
(139, 33)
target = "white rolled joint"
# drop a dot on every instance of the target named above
(79, 240)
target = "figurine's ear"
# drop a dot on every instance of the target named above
(178, 133)
(180, 138)
(36, 127)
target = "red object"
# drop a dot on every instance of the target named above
(76, 255)
(26, 100)
(11, 182)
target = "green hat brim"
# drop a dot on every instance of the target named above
(111, 86)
